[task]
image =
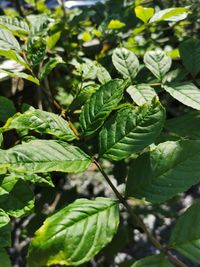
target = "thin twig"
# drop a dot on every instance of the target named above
(138, 221)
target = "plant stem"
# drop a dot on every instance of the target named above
(18, 7)
(138, 221)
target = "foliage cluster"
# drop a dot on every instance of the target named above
(112, 91)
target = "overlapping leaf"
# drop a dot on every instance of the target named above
(5, 261)
(42, 122)
(7, 108)
(16, 25)
(158, 63)
(126, 63)
(131, 130)
(171, 14)
(185, 237)
(8, 41)
(41, 156)
(100, 105)
(75, 234)
(159, 260)
(169, 169)
(16, 197)
(187, 93)
(141, 93)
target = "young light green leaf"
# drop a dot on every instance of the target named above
(170, 168)
(49, 66)
(170, 14)
(53, 39)
(100, 105)
(190, 55)
(158, 63)
(131, 130)
(22, 75)
(186, 93)
(7, 108)
(39, 156)
(126, 63)
(8, 41)
(4, 218)
(141, 93)
(5, 260)
(144, 13)
(75, 234)
(178, 127)
(16, 25)
(42, 122)
(159, 260)
(16, 197)
(185, 236)
(36, 49)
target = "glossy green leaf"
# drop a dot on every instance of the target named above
(144, 13)
(185, 236)
(49, 66)
(190, 55)
(42, 122)
(100, 105)
(36, 49)
(75, 234)
(103, 75)
(5, 260)
(8, 41)
(16, 25)
(170, 168)
(126, 63)
(7, 108)
(141, 93)
(16, 197)
(178, 125)
(186, 93)
(158, 63)
(130, 130)
(4, 218)
(171, 14)
(22, 75)
(39, 156)
(159, 260)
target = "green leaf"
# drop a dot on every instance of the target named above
(141, 93)
(4, 218)
(1, 138)
(170, 168)
(49, 66)
(178, 125)
(39, 156)
(158, 63)
(100, 105)
(43, 179)
(40, 24)
(5, 260)
(75, 234)
(53, 39)
(144, 13)
(16, 25)
(103, 75)
(171, 14)
(8, 41)
(36, 49)
(42, 122)
(159, 260)
(16, 197)
(190, 55)
(7, 108)
(14, 56)
(186, 93)
(126, 63)
(5, 237)
(83, 95)
(185, 236)
(131, 130)
(115, 24)
(22, 75)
